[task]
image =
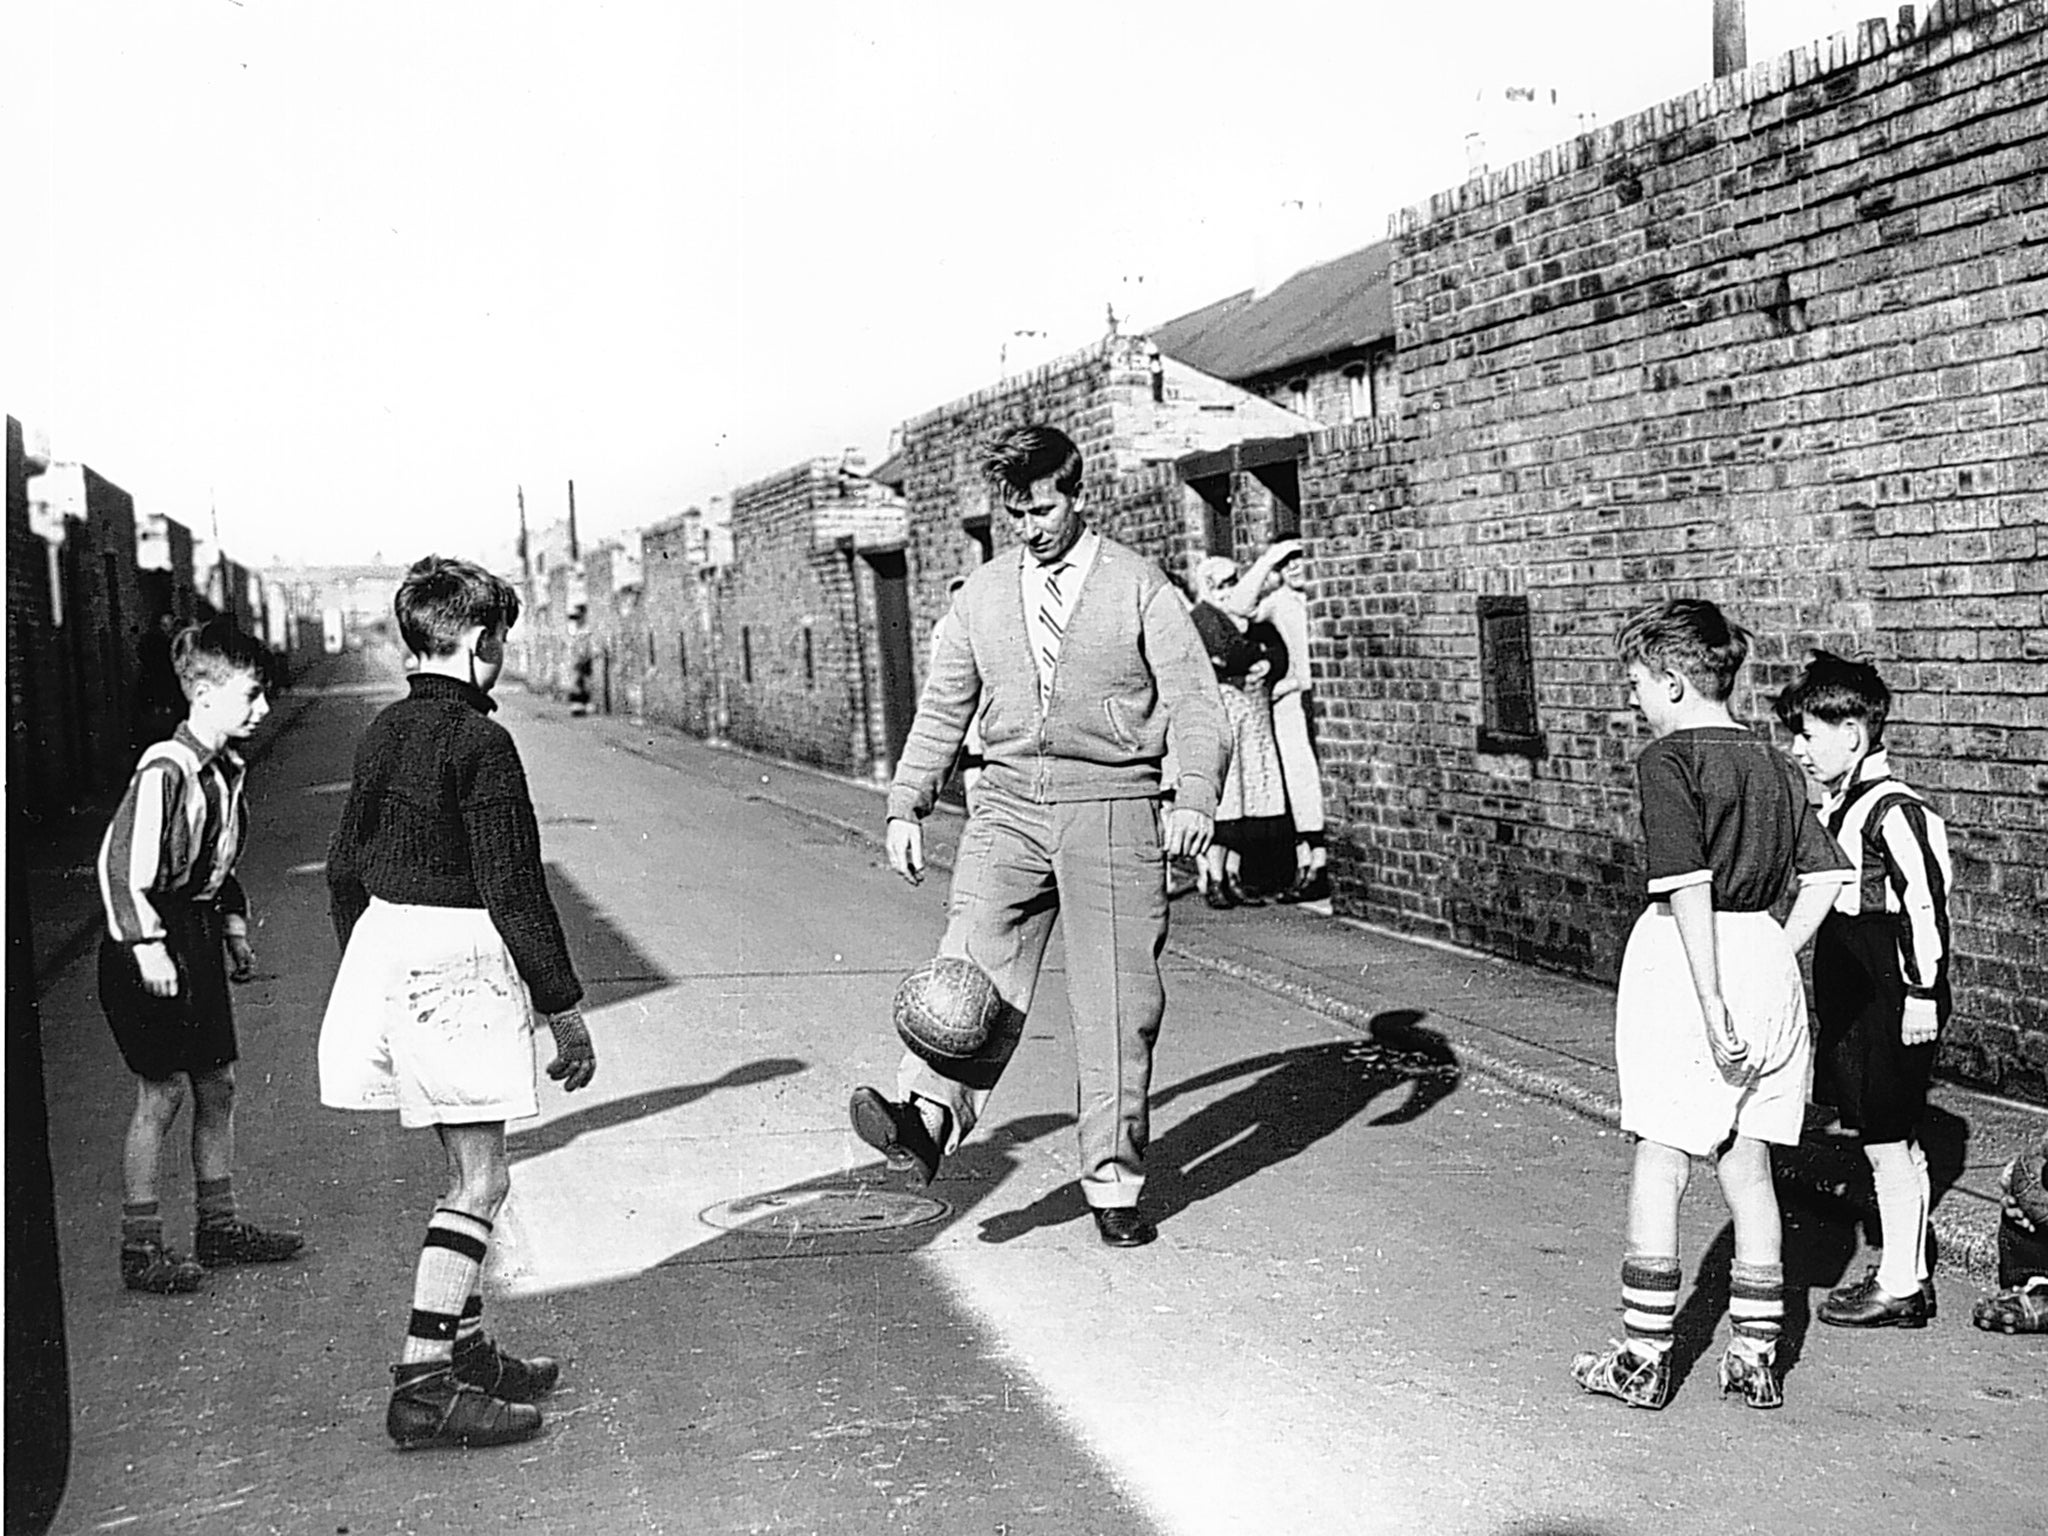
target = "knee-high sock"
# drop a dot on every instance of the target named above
(1919, 1156)
(1756, 1306)
(450, 1260)
(1649, 1301)
(1901, 1213)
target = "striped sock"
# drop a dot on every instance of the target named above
(1649, 1302)
(142, 1221)
(450, 1260)
(471, 1324)
(215, 1206)
(1756, 1307)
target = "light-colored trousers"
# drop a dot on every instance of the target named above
(1298, 765)
(1099, 867)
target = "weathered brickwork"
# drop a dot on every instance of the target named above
(799, 663)
(1782, 343)
(679, 605)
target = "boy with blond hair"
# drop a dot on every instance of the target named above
(1710, 1020)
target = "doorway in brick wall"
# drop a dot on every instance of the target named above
(894, 665)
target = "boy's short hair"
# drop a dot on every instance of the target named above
(1689, 636)
(214, 652)
(1015, 460)
(441, 599)
(1834, 688)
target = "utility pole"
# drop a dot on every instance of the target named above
(575, 553)
(1731, 38)
(525, 558)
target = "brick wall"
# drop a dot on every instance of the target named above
(36, 766)
(679, 606)
(1782, 343)
(99, 559)
(791, 606)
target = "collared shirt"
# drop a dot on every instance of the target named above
(1899, 847)
(175, 835)
(1047, 610)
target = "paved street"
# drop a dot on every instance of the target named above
(1374, 1260)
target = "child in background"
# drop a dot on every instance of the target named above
(1880, 971)
(1710, 1022)
(175, 914)
(2022, 1306)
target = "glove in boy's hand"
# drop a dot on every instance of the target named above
(575, 1062)
(1731, 1052)
(241, 958)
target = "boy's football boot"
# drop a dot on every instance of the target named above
(222, 1243)
(151, 1267)
(1641, 1381)
(429, 1408)
(480, 1363)
(1755, 1380)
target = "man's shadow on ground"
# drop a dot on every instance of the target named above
(1294, 1099)
(1821, 1238)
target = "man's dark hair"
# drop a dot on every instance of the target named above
(1834, 688)
(214, 652)
(1690, 636)
(442, 599)
(1016, 459)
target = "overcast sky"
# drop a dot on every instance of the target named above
(352, 273)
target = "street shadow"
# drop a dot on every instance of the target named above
(612, 967)
(1295, 1098)
(559, 1132)
(1817, 1251)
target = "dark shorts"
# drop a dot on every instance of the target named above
(1877, 1084)
(192, 1032)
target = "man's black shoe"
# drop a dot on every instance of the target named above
(897, 1131)
(1315, 888)
(1123, 1226)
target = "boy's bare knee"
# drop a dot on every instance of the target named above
(215, 1089)
(159, 1099)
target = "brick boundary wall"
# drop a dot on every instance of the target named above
(1783, 343)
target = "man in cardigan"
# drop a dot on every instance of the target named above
(1081, 667)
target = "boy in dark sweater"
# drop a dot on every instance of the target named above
(450, 944)
(175, 915)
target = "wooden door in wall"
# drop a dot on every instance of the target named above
(893, 641)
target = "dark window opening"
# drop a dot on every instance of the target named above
(682, 654)
(650, 649)
(1507, 678)
(1217, 537)
(746, 654)
(810, 661)
(1283, 483)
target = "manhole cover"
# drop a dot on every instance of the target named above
(823, 1212)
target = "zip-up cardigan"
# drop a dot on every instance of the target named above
(1132, 682)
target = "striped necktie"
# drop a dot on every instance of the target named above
(1050, 628)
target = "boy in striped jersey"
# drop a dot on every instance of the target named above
(1880, 971)
(175, 914)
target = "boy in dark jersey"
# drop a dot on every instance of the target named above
(1710, 1021)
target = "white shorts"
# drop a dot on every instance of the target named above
(1671, 1091)
(429, 1017)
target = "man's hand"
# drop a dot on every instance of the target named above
(1731, 1052)
(159, 970)
(1921, 1021)
(1187, 833)
(906, 849)
(575, 1062)
(241, 958)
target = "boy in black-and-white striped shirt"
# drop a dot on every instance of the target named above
(175, 914)
(1880, 971)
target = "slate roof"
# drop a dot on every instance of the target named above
(1321, 310)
